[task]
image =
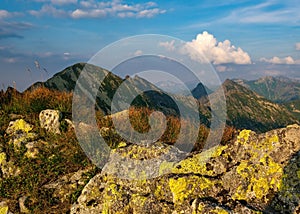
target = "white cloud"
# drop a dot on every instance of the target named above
(96, 9)
(168, 45)
(62, 2)
(6, 14)
(138, 53)
(218, 52)
(149, 13)
(94, 13)
(115, 8)
(58, 2)
(276, 60)
(10, 60)
(298, 46)
(48, 10)
(270, 11)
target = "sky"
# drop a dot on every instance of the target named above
(242, 39)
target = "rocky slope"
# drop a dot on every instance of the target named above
(256, 173)
(246, 109)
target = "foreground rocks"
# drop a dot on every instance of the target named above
(255, 174)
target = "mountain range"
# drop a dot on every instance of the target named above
(259, 105)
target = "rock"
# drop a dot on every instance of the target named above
(23, 208)
(32, 149)
(3, 208)
(258, 173)
(65, 186)
(7, 168)
(20, 133)
(50, 120)
(15, 116)
(19, 125)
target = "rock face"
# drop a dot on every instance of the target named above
(258, 173)
(50, 120)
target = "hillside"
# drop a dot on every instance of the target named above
(277, 89)
(246, 109)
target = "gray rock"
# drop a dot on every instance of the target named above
(50, 120)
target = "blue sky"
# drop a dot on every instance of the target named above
(243, 39)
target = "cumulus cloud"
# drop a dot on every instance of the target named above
(285, 60)
(218, 52)
(298, 46)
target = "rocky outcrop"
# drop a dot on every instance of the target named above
(258, 173)
(50, 120)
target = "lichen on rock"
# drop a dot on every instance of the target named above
(249, 175)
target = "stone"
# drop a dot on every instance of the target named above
(3, 208)
(249, 175)
(19, 125)
(50, 120)
(23, 208)
(32, 149)
(66, 185)
(7, 168)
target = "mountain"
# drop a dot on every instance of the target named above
(152, 97)
(246, 109)
(200, 91)
(277, 89)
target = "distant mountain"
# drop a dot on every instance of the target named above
(200, 91)
(246, 109)
(152, 97)
(277, 89)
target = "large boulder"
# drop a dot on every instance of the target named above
(50, 120)
(255, 174)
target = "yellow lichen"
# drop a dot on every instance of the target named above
(165, 167)
(197, 163)
(3, 209)
(243, 136)
(21, 125)
(185, 187)
(122, 144)
(178, 188)
(260, 173)
(219, 210)
(2, 157)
